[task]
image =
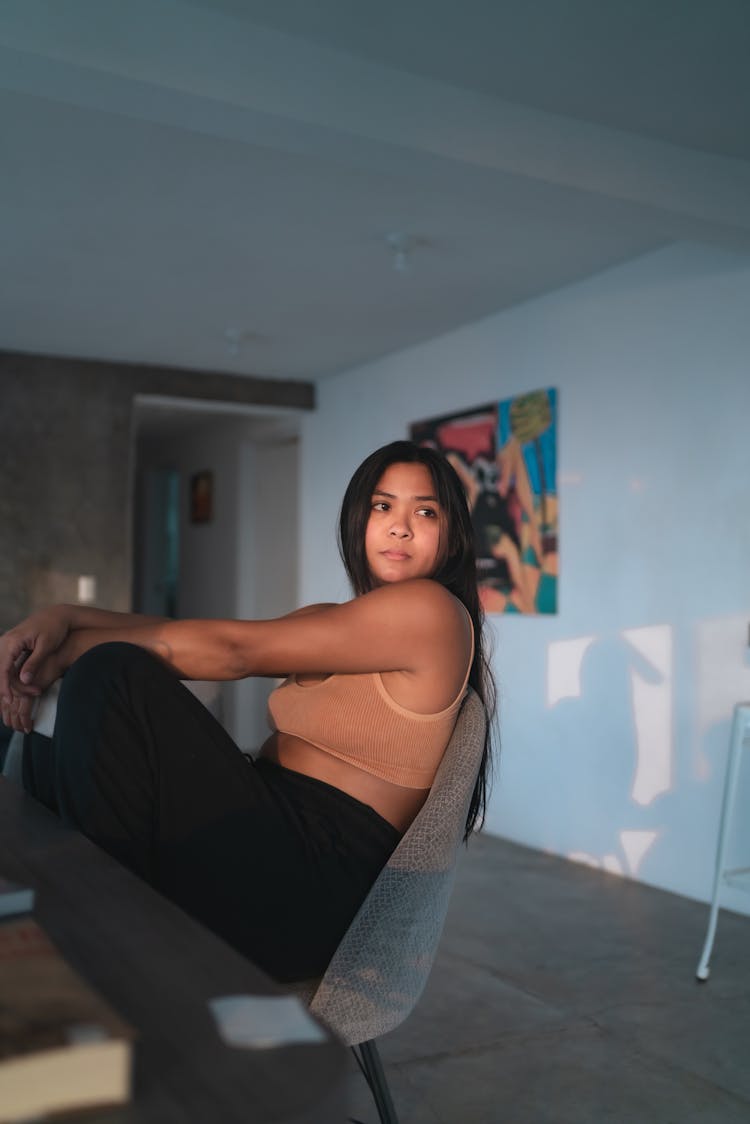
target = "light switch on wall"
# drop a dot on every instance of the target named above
(86, 589)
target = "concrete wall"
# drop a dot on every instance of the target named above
(66, 469)
(615, 713)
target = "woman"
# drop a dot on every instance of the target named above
(276, 854)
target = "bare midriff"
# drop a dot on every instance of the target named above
(396, 804)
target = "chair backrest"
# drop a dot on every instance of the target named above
(381, 965)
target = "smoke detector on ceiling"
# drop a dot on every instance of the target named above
(401, 246)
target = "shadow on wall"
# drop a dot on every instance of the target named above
(610, 756)
(620, 778)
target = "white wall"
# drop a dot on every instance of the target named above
(268, 550)
(243, 563)
(209, 552)
(615, 713)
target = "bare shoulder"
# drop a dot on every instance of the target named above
(424, 606)
(413, 627)
(425, 593)
(305, 610)
(435, 631)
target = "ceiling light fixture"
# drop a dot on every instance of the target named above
(400, 246)
(234, 338)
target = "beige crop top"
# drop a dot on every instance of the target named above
(354, 718)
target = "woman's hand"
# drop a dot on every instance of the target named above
(25, 649)
(16, 711)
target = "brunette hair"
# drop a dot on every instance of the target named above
(456, 568)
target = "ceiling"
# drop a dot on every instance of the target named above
(212, 183)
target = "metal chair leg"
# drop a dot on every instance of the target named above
(740, 731)
(369, 1062)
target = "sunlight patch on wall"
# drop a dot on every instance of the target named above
(651, 687)
(635, 847)
(564, 659)
(636, 844)
(610, 863)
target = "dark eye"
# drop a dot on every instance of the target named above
(380, 505)
(428, 511)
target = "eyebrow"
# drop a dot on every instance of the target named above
(393, 496)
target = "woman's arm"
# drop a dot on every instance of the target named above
(85, 616)
(30, 643)
(35, 652)
(410, 626)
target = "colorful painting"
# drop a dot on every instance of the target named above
(506, 456)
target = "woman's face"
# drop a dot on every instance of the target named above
(402, 539)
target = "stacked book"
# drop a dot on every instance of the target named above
(61, 1046)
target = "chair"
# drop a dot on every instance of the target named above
(739, 877)
(380, 968)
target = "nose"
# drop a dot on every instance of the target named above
(400, 528)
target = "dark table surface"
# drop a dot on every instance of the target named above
(158, 968)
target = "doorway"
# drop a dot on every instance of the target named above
(157, 561)
(219, 567)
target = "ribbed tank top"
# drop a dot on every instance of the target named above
(353, 717)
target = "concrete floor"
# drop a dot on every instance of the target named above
(563, 995)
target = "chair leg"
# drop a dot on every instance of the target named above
(740, 730)
(372, 1067)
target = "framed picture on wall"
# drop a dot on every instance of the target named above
(201, 497)
(505, 453)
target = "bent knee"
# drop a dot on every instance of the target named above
(103, 664)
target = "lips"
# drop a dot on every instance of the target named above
(395, 555)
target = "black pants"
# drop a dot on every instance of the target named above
(275, 862)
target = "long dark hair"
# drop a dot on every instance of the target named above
(456, 568)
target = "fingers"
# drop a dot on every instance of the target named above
(17, 713)
(15, 692)
(18, 667)
(13, 652)
(25, 648)
(7, 667)
(24, 714)
(28, 667)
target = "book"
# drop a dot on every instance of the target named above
(15, 898)
(61, 1045)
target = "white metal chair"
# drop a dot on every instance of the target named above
(738, 877)
(380, 968)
